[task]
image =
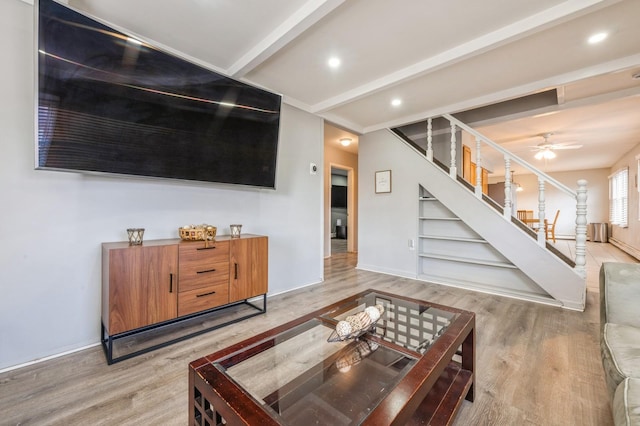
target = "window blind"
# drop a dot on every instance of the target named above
(618, 197)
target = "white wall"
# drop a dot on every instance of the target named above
(384, 236)
(52, 224)
(631, 234)
(597, 198)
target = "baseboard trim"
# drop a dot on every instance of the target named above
(47, 358)
(393, 272)
(631, 251)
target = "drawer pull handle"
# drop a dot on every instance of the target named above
(206, 294)
(236, 271)
(203, 272)
(171, 283)
(206, 248)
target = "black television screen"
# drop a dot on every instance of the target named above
(338, 196)
(110, 103)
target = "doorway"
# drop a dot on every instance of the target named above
(341, 185)
(339, 209)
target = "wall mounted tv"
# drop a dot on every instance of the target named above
(110, 103)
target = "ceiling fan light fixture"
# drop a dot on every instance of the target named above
(546, 153)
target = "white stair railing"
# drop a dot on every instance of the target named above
(580, 195)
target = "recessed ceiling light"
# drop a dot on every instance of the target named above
(597, 38)
(334, 62)
(345, 141)
(396, 102)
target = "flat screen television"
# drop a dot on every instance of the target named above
(107, 102)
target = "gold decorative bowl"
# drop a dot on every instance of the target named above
(202, 232)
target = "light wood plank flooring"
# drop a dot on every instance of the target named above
(536, 364)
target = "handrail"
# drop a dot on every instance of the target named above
(517, 159)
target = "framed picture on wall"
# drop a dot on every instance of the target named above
(383, 181)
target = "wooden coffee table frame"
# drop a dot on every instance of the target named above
(430, 393)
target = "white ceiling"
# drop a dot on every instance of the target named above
(437, 56)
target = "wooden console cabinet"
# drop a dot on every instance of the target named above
(165, 281)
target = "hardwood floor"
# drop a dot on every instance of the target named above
(536, 364)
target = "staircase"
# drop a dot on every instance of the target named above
(450, 252)
(464, 241)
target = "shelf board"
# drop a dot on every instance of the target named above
(439, 218)
(461, 239)
(441, 404)
(467, 260)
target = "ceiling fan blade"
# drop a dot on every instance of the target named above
(567, 147)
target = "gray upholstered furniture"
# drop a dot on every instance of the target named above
(620, 338)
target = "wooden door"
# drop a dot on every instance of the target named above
(248, 268)
(142, 286)
(467, 173)
(485, 181)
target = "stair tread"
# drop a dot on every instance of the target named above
(468, 260)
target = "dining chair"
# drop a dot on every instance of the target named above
(550, 229)
(523, 215)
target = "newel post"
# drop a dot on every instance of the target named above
(453, 170)
(581, 228)
(429, 140)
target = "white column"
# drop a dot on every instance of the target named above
(581, 228)
(429, 140)
(541, 204)
(453, 170)
(507, 188)
(478, 170)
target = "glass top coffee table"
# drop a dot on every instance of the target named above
(414, 365)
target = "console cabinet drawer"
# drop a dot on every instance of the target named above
(201, 299)
(204, 276)
(202, 266)
(195, 253)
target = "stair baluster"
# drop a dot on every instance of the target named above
(478, 169)
(453, 171)
(429, 140)
(581, 228)
(507, 188)
(542, 232)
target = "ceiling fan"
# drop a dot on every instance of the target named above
(546, 149)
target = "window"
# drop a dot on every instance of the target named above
(618, 197)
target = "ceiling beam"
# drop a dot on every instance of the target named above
(305, 17)
(489, 41)
(558, 80)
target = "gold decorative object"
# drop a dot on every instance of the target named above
(135, 236)
(202, 232)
